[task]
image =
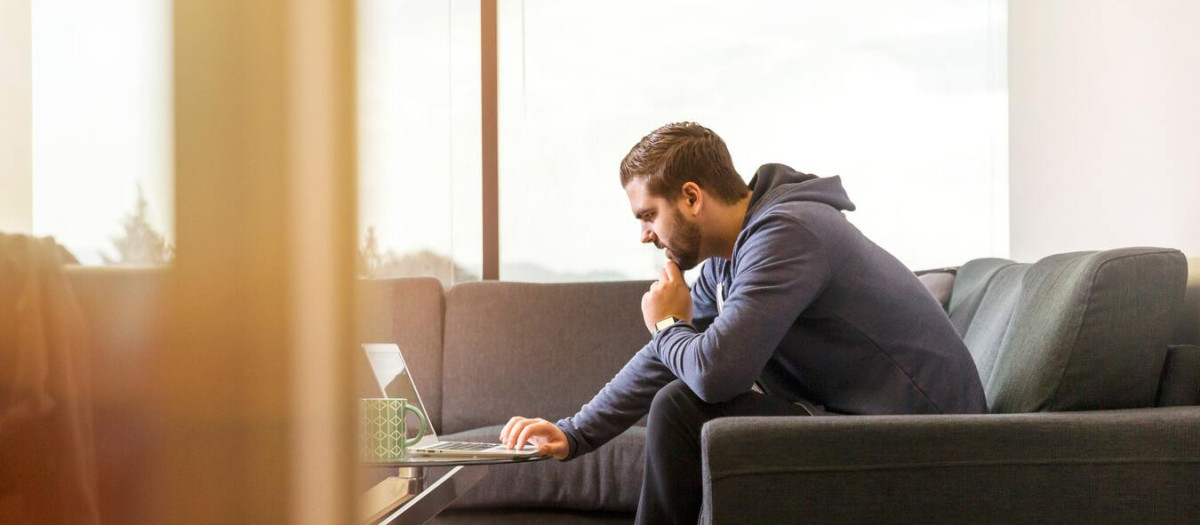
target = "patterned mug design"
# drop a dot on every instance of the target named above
(383, 429)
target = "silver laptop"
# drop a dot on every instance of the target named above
(395, 380)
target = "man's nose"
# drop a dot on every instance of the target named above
(647, 236)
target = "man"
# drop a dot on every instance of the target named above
(796, 313)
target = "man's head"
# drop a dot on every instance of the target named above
(680, 180)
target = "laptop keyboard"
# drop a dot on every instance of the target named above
(461, 446)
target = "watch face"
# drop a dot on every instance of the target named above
(662, 325)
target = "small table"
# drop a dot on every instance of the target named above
(408, 499)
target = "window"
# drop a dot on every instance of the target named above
(102, 128)
(906, 101)
(419, 139)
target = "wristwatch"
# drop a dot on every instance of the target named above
(663, 324)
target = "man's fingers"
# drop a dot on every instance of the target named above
(528, 432)
(508, 428)
(515, 431)
(672, 271)
(538, 432)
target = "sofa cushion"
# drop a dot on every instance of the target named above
(1112, 467)
(1181, 377)
(939, 283)
(608, 479)
(1187, 329)
(990, 322)
(538, 516)
(534, 350)
(1075, 331)
(970, 283)
(407, 312)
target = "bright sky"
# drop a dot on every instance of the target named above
(101, 119)
(905, 100)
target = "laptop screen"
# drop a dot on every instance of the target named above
(388, 376)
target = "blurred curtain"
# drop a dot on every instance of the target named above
(47, 451)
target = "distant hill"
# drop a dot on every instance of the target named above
(424, 263)
(375, 262)
(534, 273)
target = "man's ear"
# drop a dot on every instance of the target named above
(693, 196)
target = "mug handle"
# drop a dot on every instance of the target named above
(420, 431)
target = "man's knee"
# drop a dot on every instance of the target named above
(674, 397)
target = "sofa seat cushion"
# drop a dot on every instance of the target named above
(531, 517)
(608, 479)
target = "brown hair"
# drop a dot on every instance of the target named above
(684, 152)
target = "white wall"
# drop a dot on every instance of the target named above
(1104, 116)
(16, 169)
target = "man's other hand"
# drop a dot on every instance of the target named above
(668, 297)
(548, 438)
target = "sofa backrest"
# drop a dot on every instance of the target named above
(1075, 331)
(1187, 329)
(534, 350)
(408, 313)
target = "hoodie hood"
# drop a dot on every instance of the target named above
(776, 183)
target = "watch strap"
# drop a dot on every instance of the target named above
(664, 323)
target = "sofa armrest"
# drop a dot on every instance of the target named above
(1139, 465)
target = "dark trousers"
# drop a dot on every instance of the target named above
(672, 490)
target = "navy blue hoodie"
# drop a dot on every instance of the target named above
(812, 310)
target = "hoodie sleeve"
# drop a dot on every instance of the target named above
(778, 271)
(625, 399)
(620, 404)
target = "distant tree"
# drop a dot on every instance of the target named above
(426, 263)
(139, 243)
(373, 263)
(369, 258)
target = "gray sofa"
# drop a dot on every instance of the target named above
(1073, 351)
(482, 352)
(1095, 416)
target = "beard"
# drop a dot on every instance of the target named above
(684, 246)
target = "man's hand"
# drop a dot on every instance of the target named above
(548, 438)
(668, 296)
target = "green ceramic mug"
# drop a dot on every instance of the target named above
(383, 429)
